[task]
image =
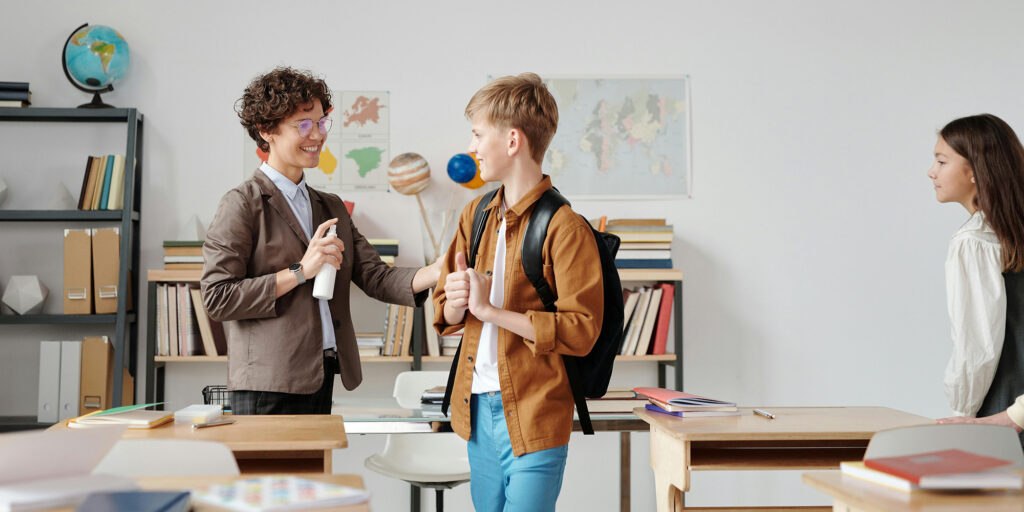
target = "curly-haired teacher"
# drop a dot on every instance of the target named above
(265, 245)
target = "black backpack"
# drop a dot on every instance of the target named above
(588, 375)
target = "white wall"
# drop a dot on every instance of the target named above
(813, 246)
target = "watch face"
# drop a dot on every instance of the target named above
(295, 267)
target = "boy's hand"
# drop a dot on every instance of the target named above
(479, 294)
(456, 290)
(322, 251)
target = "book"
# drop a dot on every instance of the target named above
(183, 243)
(632, 228)
(161, 319)
(24, 96)
(14, 103)
(97, 192)
(643, 254)
(278, 492)
(136, 501)
(691, 414)
(133, 418)
(636, 324)
(630, 299)
(636, 222)
(635, 263)
(433, 345)
(116, 199)
(687, 400)
(917, 467)
(668, 291)
(390, 319)
(647, 332)
(14, 86)
(433, 395)
(85, 183)
(209, 330)
(643, 236)
(620, 405)
(183, 266)
(981, 480)
(183, 259)
(632, 246)
(107, 177)
(183, 251)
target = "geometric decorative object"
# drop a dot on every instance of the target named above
(192, 230)
(3, 190)
(25, 294)
(61, 198)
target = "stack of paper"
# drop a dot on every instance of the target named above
(945, 469)
(134, 416)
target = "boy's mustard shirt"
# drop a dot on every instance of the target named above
(534, 387)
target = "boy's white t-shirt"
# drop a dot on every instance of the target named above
(485, 371)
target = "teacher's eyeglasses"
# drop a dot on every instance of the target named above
(306, 125)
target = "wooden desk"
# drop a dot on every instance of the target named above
(798, 438)
(266, 444)
(852, 495)
(183, 483)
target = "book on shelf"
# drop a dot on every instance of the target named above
(210, 331)
(183, 266)
(690, 414)
(432, 341)
(278, 492)
(643, 254)
(980, 480)
(14, 104)
(390, 325)
(22, 96)
(647, 331)
(643, 236)
(642, 263)
(680, 401)
(115, 201)
(635, 222)
(644, 246)
(182, 243)
(932, 469)
(172, 320)
(183, 259)
(14, 86)
(664, 318)
(636, 322)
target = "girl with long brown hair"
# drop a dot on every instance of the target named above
(979, 163)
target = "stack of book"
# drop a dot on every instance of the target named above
(617, 401)
(102, 183)
(685, 405)
(646, 243)
(450, 343)
(370, 344)
(183, 328)
(15, 94)
(183, 254)
(938, 470)
(647, 313)
(386, 247)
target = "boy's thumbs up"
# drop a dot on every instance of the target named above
(460, 262)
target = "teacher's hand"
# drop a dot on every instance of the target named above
(1001, 419)
(322, 250)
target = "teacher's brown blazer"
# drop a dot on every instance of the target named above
(277, 344)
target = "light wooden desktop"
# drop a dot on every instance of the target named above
(852, 495)
(184, 483)
(798, 438)
(266, 444)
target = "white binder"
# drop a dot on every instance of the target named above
(49, 381)
(70, 379)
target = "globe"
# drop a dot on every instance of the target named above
(94, 57)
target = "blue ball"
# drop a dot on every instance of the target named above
(462, 168)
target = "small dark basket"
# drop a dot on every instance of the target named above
(217, 394)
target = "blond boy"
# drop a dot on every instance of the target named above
(511, 398)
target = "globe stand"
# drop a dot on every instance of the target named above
(96, 102)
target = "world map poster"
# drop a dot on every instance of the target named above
(621, 136)
(356, 152)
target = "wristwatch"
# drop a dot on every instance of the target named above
(296, 268)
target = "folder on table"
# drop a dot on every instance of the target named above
(106, 252)
(97, 382)
(77, 272)
(70, 379)
(49, 382)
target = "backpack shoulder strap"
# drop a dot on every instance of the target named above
(479, 221)
(533, 244)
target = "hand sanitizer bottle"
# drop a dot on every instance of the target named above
(323, 287)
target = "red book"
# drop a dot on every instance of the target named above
(664, 318)
(946, 462)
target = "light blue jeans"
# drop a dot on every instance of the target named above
(500, 481)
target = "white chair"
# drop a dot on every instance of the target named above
(990, 440)
(434, 461)
(167, 457)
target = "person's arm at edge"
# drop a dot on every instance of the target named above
(1012, 417)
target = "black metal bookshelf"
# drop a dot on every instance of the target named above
(125, 338)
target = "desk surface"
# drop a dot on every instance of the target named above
(866, 496)
(790, 423)
(264, 433)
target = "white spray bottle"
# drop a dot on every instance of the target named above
(323, 287)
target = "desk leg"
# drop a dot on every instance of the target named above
(624, 475)
(328, 461)
(670, 460)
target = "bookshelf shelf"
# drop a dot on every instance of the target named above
(123, 322)
(62, 319)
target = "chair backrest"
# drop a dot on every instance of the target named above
(990, 440)
(167, 457)
(409, 386)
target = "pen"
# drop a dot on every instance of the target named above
(214, 423)
(766, 414)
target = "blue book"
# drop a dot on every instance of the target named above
(106, 182)
(628, 263)
(692, 414)
(136, 501)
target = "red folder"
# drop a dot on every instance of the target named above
(664, 318)
(945, 462)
